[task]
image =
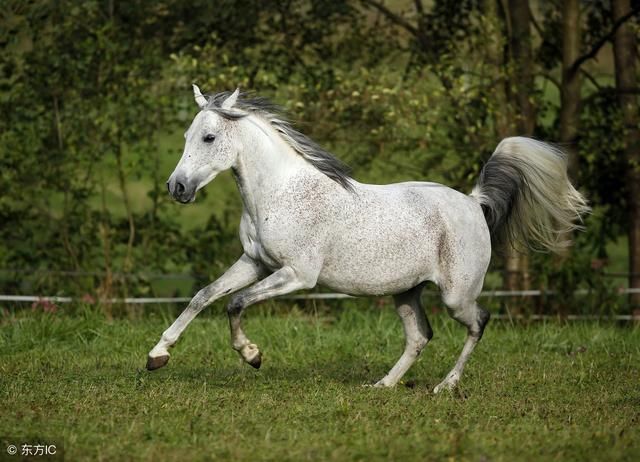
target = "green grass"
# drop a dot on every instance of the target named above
(537, 392)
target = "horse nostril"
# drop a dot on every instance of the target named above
(168, 187)
(180, 188)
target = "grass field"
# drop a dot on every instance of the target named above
(537, 392)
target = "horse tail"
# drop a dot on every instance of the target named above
(527, 198)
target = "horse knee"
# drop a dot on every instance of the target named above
(199, 300)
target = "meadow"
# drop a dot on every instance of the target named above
(539, 391)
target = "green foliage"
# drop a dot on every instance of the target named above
(603, 163)
(92, 94)
(89, 108)
(578, 281)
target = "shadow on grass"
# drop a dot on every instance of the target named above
(349, 371)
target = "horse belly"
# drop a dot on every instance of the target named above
(388, 264)
(395, 242)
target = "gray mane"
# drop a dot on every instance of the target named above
(321, 159)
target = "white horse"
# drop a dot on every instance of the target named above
(306, 222)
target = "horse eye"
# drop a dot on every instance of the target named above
(209, 138)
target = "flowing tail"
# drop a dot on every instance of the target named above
(527, 198)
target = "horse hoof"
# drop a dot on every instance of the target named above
(444, 386)
(157, 363)
(383, 384)
(256, 361)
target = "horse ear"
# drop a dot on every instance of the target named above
(200, 98)
(231, 100)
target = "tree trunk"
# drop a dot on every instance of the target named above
(521, 54)
(625, 48)
(105, 289)
(497, 34)
(522, 87)
(570, 87)
(570, 97)
(122, 179)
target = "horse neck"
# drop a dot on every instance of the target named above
(265, 164)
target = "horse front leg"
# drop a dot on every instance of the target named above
(283, 281)
(242, 273)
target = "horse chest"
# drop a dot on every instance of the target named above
(254, 245)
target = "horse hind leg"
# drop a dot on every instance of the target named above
(467, 312)
(281, 282)
(417, 333)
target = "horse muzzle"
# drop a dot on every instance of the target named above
(181, 189)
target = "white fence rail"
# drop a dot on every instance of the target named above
(333, 296)
(312, 296)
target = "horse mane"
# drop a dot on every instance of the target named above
(321, 159)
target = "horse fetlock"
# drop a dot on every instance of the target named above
(161, 349)
(168, 340)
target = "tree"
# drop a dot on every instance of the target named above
(625, 49)
(498, 36)
(571, 84)
(519, 17)
(522, 88)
